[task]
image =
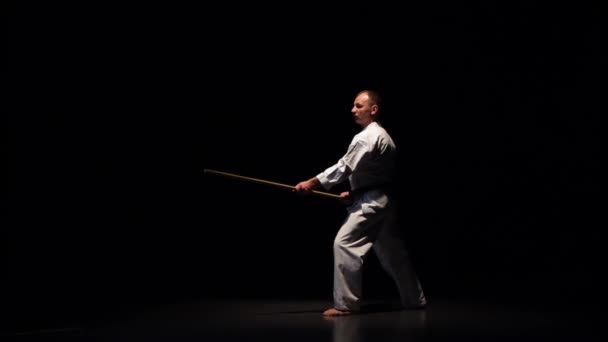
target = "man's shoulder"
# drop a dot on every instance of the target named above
(377, 131)
(374, 136)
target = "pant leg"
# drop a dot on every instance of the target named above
(394, 258)
(353, 242)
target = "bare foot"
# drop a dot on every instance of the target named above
(336, 312)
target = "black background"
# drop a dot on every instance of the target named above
(116, 110)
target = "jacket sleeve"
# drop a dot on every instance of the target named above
(339, 172)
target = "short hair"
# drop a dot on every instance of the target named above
(373, 95)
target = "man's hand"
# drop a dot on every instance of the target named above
(346, 198)
(306, 187)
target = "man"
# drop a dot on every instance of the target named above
(371, 222)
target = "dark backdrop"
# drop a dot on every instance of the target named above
(115, 112)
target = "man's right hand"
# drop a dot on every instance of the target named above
(346, 198)
(304, 187)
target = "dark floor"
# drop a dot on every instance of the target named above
(301, 320)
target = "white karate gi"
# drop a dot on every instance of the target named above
(368, 164)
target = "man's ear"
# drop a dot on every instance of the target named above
(374, 109)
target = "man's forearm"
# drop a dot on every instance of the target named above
(314, 182)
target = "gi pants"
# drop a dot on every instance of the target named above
(372, 223)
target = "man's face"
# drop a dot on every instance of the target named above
(363, 110)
